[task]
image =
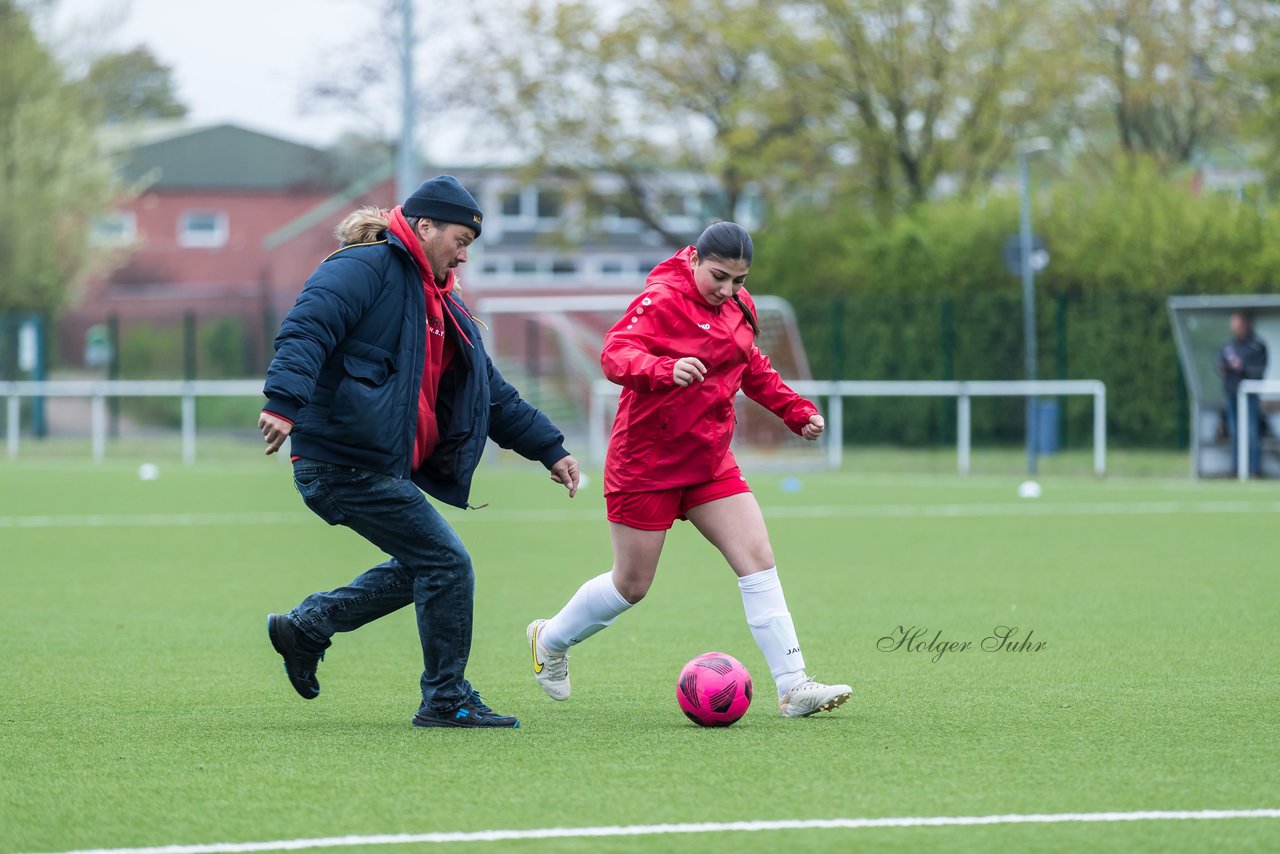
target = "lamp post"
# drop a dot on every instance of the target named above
(406, 156)
(1025, 150)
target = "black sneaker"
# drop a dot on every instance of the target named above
(472, 713)
(301, 655)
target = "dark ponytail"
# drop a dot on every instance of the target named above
(728, 241)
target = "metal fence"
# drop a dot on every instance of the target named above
(98, 392)
(602, 391)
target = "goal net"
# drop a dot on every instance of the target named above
(549, 348)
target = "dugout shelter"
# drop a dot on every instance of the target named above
(1200, 328)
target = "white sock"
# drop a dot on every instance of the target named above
(771, 625)
(595, 606)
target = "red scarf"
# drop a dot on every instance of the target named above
(440, 347)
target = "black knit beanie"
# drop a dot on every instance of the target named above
(443, 199)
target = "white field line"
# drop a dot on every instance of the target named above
(810, 511)
(153, 520)
(704, 827)
(1023, 508)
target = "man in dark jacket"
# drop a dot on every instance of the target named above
(1244, 357)
(382, 382)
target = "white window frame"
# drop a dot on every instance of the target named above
(204, 240)
(576, 273)
(127, 233)
(527, 219)
(625, 265)
(540, 267)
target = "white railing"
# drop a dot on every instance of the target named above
(1248, 387)
(98, 391)
(834, 391)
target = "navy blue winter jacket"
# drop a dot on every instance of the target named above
(348, 367)
(1252, 353)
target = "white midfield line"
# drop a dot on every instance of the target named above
(812, 511)
(705, 827)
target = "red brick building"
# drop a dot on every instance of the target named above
(226, 223)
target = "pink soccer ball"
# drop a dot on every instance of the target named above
(714, 689)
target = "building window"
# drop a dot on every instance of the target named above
(674, 204)
(202, 229)
(564, 267)
(511, 205)
(550, 204)
(611, 268)
(613, 213)
(489, 267)
(713, 205)
(524, 267)
(113, 229)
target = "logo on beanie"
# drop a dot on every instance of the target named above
(475, 218)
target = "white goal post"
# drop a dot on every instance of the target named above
(1248, 387)
(766, 305)
(603, 392)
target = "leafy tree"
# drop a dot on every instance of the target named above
(900, 101)
(53, 178)
(1258, 74)
(131, 86)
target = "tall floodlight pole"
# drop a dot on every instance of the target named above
(1025, 150)
(406, 155)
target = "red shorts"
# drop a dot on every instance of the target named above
(658, 510)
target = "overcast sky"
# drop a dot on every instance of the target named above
(242, 61)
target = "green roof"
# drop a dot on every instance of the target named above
(319, 213)
(226, 157)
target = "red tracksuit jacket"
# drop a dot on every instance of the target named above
(665, 436)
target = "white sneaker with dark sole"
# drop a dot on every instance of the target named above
(811, 697)
(551, 669)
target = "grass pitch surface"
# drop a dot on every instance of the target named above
(142, 704)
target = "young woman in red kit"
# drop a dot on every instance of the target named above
(684, 349)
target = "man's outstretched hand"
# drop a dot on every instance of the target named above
(566, 472)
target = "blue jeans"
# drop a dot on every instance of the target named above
(429, 567)
(1254, 438)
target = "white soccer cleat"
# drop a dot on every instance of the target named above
(551, 669)
(810, 697)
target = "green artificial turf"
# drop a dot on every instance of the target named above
(142, 704)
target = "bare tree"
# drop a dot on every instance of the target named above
(930, 89)
(1165, 72)
(720, 88)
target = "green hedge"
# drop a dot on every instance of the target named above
(157, 352)
(927, 296)
(1121, 338)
